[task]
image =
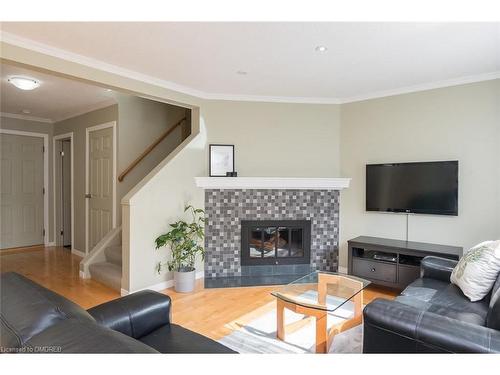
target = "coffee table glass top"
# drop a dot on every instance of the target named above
(322, 290)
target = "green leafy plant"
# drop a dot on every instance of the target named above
(184, 240)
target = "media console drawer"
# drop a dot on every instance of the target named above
(374, 270)
(392, 263)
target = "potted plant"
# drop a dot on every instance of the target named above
(184, 241)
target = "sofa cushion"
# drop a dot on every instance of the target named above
(445, 299)
(172, 338)
(477, 270)
(27, 308)
(74, 336)
(493, 318)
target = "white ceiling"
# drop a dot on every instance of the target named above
(363, 59)
(56, 99)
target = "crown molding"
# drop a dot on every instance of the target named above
(273, 99)
(45, 49)
(26, 117)
(87, 109)
(424, 87)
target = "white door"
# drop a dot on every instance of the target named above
(100, 185)
(21, 191)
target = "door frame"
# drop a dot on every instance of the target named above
(45, 176)
(111, 124)
(57, 138)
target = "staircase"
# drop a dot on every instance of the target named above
(109, 272)
(104, 262)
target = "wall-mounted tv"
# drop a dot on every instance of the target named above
(422, 188)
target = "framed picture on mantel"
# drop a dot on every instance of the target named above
(221, 160)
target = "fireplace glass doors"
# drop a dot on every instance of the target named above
(275, 242)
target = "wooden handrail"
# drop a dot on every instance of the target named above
(148, 150)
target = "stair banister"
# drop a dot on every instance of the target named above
(149, 149)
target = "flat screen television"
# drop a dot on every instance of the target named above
(422, 188)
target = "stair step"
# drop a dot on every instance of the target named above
(107, 273)
(114, 254)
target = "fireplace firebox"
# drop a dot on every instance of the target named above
(275, 242)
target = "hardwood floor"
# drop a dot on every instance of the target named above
(56, 269)
(211, 312)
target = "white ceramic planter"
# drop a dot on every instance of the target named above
(184, 281)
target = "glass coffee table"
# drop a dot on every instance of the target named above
(317, 295)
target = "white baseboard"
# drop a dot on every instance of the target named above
(78, 252)
(50, 244)
(161, 286)
(343, 270)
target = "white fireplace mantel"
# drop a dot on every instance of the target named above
(302, 183)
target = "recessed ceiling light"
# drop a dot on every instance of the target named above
(26, 111)
(109, 90)
(24, 83)
(321, 49)
(241, 72)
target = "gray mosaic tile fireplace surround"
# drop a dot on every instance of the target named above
(226, 208)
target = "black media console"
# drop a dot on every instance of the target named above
(392, 263)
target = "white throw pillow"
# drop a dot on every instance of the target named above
(477, 270)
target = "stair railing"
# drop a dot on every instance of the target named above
(149, 149)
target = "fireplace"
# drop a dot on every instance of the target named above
(275, 242)
(229, 207)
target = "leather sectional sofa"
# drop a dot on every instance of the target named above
(433, 316)
(35, 319)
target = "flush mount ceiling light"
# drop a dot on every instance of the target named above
(321, 49)
(24, 83)
(241, 72)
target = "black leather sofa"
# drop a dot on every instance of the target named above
(433, 316)
(34, 319)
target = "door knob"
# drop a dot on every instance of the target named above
(88, 195)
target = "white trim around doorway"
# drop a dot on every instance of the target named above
(111, 124)
(55, 139)
(45, 176)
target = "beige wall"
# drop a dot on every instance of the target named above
(277, 139)
(456, 123)
(78, 126)
(44, 128)
(160, 201)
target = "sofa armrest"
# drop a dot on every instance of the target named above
(437, 268)
(393, 327)
(134, 315)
